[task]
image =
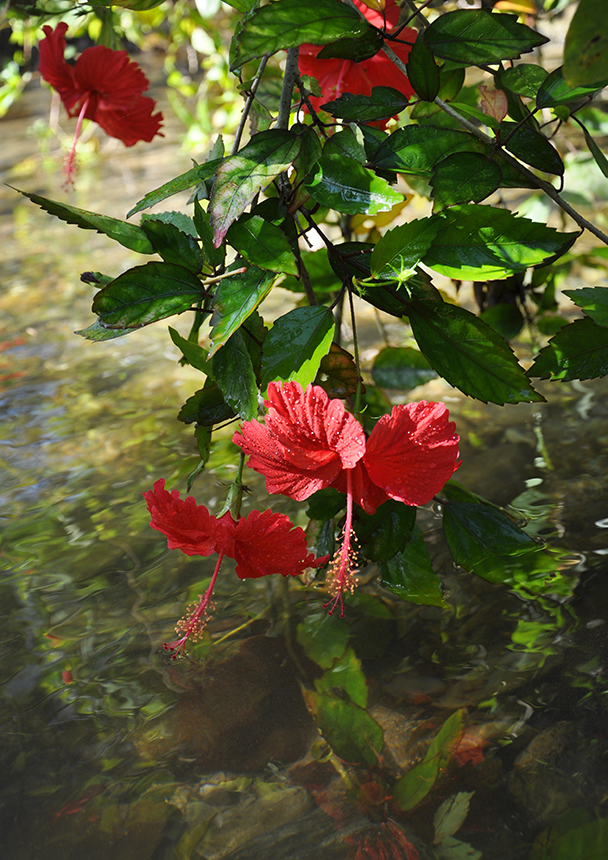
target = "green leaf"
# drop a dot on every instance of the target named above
(416, 149)
(410, 574)
(588, 840)
(245, 174)
(402, 248)
(352, 734)
(195, 355)
(233, 372)
(129, 235)
(469, 354)
(418, 781)
(464, 177)
(358, 49)
(476, 114)
(394, 297)
(556, 91)
(578, 351)
(213, 256)
(325, 504)
(97, 332)
(401, 367)
(322, 277)
(262, 244)
(506, 319)
(451, 815)
(174, 186)
(383, 534)
(145, 294)
(475, 37)
(345, 674)
(422, 70)
(479, 243)
(206, 407)
(586, 47)
(296, 344)
(172, 244)
(323, 638)
(532, 147)
(475, 532)
(523, 79)
(290, 23)
(383, 103)
(593, 300)
(596, 152)
(236, 298)
(343, 184)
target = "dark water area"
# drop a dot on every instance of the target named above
(112, 750)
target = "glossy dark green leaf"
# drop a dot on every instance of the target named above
(394, 297)
(586, 46)
(593, 300)
(476, 114)
(233, 372)
(469, 354)
(524, 79)
(353, 735)
(415, 149)
(478, 243)
(383, 103)
(325, 504)
(245, 174)
(296, 344)
(356, 49)
(417, 782)
(347, 675)
(173, 245)
(145, 294)
(422, 70)
(323, 638)
(475, 532)
(174, 186)
(450, 82)
(401, 249)
(206, 407)
(195, 355)
(506, 319)
(410, 574)
(477, 36)
(463, 177)
(596, 152)
(236, 298)
(531, 147)
(578, 351)
(214, 256)
(383, 534)
(290, 23)
(401, 367)
(262, 244)
(343, 184)
(555, 91)
(129, 235)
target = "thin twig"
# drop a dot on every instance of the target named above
(416, 13)
(292, 72)
(248, 103)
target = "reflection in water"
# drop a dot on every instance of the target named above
(112, 750)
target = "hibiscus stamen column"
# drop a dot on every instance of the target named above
(69, 165)
(342, 568)
(192, 625)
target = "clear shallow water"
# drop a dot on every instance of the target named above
(110, 749)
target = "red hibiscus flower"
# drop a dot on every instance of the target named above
(310, 442)
(261, 544)
(337, 76)
(103, 85)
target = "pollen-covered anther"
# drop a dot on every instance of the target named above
(191, 626)
(341, 577)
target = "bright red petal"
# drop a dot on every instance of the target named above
(412, 452)
(307, 440)
(267, 543)
(366, 494)
(132, 125)
(53, 67)
(188, 526)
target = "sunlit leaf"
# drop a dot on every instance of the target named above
(236, 298)
(172, 244)
(352, 734)
(415, 149)
(593, 300)
(464, 177)
(383, 103)
(402, 248)
(523, 79)
(195, 355)
(296, 344)
(174, 186)
(476, 36)
(578, 351)
(475, 532)
(342, 183)
(262, 244)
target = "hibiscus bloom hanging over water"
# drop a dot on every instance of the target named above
(336, 76)
(261, 544)
(310, 442)
(103, 85)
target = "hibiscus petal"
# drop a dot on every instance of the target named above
(366, 494)
(267, 543)
(53, 67)
(412, 452)
(188, 526)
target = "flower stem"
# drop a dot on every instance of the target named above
(69, 166)
(341, 568)
(194, 622)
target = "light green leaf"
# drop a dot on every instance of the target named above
(402, 248)
(236, 298)
(343, 184)
(451, 815)
(586, 47)
(262, 244)
(296, 344)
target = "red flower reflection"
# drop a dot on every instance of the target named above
(337, 76)
(261, 544)
(103, 85)
(310, 442)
